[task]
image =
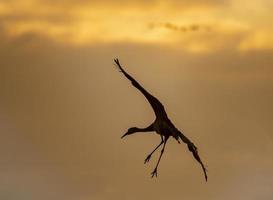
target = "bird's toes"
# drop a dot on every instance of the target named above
(147, 159)
(154, 173)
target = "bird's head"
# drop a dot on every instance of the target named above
(130, 131)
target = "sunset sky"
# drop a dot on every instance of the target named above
(64, 105)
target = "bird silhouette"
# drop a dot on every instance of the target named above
(162, 126)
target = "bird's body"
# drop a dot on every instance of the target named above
(165, 127)
(162, 125)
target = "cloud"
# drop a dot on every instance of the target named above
(257, 40)
(141, 3)
(185, 28)
(210, 25)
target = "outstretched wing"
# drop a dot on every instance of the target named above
(155, 103)
(194, 151)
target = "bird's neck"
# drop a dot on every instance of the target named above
(141, 130)
(147, 129)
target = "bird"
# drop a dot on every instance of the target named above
(162, 125)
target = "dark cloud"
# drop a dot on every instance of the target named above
(182, 28)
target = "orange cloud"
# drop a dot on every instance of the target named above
(257, 40)
(209, 28)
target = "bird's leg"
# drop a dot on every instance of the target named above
(154, 173)
(149, 156)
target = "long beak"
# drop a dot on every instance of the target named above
(124, 135)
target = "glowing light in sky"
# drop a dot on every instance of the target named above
(218, 25)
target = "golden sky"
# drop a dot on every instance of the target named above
(64, 106)
(220, 24)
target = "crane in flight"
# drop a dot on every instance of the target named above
(162, 126)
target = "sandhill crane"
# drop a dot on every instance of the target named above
(162, 125)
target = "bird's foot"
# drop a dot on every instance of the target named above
(154, 173)
(147, 159)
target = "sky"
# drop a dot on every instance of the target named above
(64, 105)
